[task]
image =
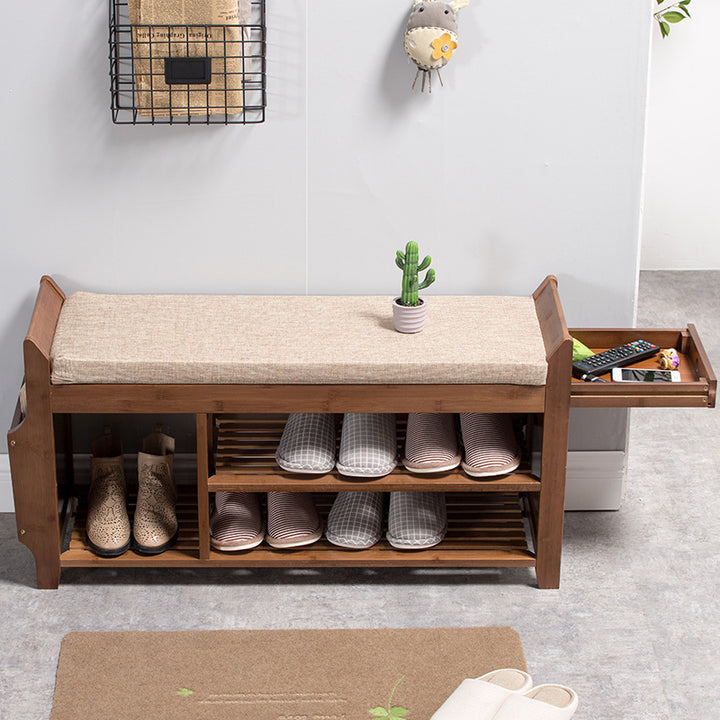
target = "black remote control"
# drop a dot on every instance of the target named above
(603, 362)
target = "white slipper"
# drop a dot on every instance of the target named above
(543, 702)
(480, 698)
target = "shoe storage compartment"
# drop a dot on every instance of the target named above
(698, 384)
(484, 531)
(245, 461)
(514, 520)
(488, 518)
(76, 553)
(509, 521)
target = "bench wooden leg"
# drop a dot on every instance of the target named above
(31, 443)
(548, 544)
(31, 446)
(48, 573)
(551, 506)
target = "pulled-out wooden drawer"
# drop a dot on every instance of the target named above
(696, 389)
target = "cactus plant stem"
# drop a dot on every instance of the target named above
(408, 263)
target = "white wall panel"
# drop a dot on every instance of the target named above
(527, 162)
(682, 215)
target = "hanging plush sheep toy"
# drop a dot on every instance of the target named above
(431, 36)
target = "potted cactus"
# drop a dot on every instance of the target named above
(409, 309)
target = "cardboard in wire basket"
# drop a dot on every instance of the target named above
(189, 56)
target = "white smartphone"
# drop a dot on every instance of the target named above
(626, 374)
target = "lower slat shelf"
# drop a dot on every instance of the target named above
(184, 553)
(484, 530)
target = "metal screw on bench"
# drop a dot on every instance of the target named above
(22, 532)
(12, 443)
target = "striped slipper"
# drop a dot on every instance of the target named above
(368, 445)
(431, 443)
(292, 520)
(308, 443)
(355, 520)
(416, 519)
(490, 444)
(236, 521)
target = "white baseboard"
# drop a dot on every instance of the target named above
(6, 496)
(595, 479)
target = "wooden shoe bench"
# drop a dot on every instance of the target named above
(319, 361)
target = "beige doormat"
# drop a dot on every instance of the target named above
(273, 674)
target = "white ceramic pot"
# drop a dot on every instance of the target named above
(409, 318)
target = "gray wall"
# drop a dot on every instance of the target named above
(527, 162)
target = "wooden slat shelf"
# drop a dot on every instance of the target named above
(185, 551)
(274, 479)
(245, 462)
(483, 531)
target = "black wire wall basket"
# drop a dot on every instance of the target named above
(168, 68)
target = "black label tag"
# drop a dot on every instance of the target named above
(187, 71)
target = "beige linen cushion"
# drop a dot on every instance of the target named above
(247, 339)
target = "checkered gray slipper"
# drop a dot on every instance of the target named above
(431, 443)
(292, 520)
(355, 519)
(416, 519)
(308, 443)
(490, 445)
(236, 521)
(368, 445)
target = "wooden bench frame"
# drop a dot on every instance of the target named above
(35, 439)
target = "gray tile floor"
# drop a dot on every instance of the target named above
(634, 627)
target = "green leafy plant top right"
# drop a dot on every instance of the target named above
(673, 12)
(408, 262)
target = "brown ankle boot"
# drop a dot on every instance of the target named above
(155, 524)
(108, 525)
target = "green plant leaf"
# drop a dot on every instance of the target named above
(664, 28)
(379, 712)
(673, 16)
(398, 712)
